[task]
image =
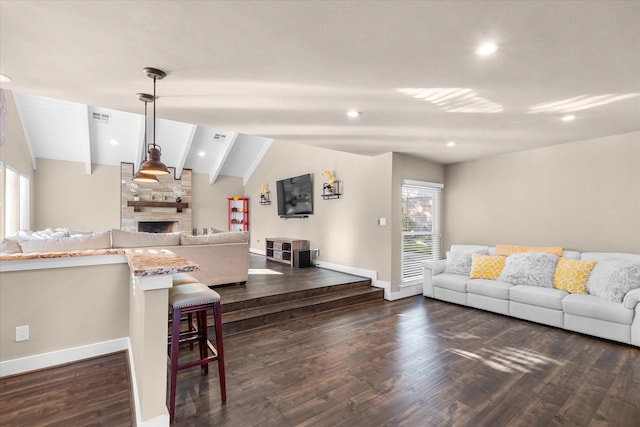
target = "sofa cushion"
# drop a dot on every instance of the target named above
(139, 239)
(217, 238)
(537, 295)
(571, 275)
(489, 288)
(454, 282)
(505, 250)
(486, 266)
(597, 308)
(100, 240)
(611, 280)
(530, 268)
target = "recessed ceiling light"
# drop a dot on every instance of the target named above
(353, 113)
(487, 48)
(568, 118)
(451, 144)
(201, 153)
(4, 78)
(113, 142)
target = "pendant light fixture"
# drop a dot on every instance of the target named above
(140, 176)
(154, 166)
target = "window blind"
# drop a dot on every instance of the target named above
(422, 235)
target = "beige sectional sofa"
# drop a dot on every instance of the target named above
(222, 257)
(593, 293)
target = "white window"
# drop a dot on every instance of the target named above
(421, 227)
(15, 201)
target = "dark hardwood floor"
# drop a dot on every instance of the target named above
(412, 362)
(91, 392)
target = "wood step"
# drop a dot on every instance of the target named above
(241, 320)
(229, 305)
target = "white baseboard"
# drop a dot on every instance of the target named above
(406, 291)
(67, 355)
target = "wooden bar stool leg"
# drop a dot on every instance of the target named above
(217, 316)
(203, 334)
(173, 374)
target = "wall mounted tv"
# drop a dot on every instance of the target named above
(295, 197)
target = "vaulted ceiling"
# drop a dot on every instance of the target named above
(244, 73)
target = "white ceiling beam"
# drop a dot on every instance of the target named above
(182, 157)
(224, 153)
(256, 160)
(17, 97)
(87, 138)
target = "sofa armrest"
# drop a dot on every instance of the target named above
(631, 298)
(430, 269)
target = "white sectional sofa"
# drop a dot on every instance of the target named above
(605, 314)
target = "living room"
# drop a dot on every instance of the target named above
(578, 188)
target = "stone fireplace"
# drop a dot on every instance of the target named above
(152, 207)
(157, 226)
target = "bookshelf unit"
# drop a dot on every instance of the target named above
(283, 250)
(238, 214)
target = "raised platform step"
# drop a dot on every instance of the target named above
(296, 305)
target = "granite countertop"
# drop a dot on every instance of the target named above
(153, 262)
(71, 254)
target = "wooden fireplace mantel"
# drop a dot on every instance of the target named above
(156, 204)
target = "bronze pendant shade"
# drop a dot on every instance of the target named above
(140, 176)
(154, 166)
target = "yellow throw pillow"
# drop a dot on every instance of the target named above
(507, 250)
(571, 275)
(486, 266)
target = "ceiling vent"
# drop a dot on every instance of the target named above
(101, 117)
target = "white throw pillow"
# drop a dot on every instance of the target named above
(611, 280)
(459, 260)
(530, 268)
(100, 240)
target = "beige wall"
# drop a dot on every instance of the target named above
(15, 152)
(407, 167)
(65, 196)
(209, 202)
(63, 307)
(345, 230)
(583, 196)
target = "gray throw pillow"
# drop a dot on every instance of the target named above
(611, 280)
(530, 268)
(458, 263)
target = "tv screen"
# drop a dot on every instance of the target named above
(294, 196)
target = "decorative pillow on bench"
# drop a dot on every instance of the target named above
(486, 266)
(611, 280)
(530, 268)
(100, 240)
(571, 275)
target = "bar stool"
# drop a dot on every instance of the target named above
(196, 299)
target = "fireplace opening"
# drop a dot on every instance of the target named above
(156, 226)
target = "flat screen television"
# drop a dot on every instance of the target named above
(295, 196)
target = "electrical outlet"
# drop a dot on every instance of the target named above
(382, 221)
(316, 252)
(22, 333)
